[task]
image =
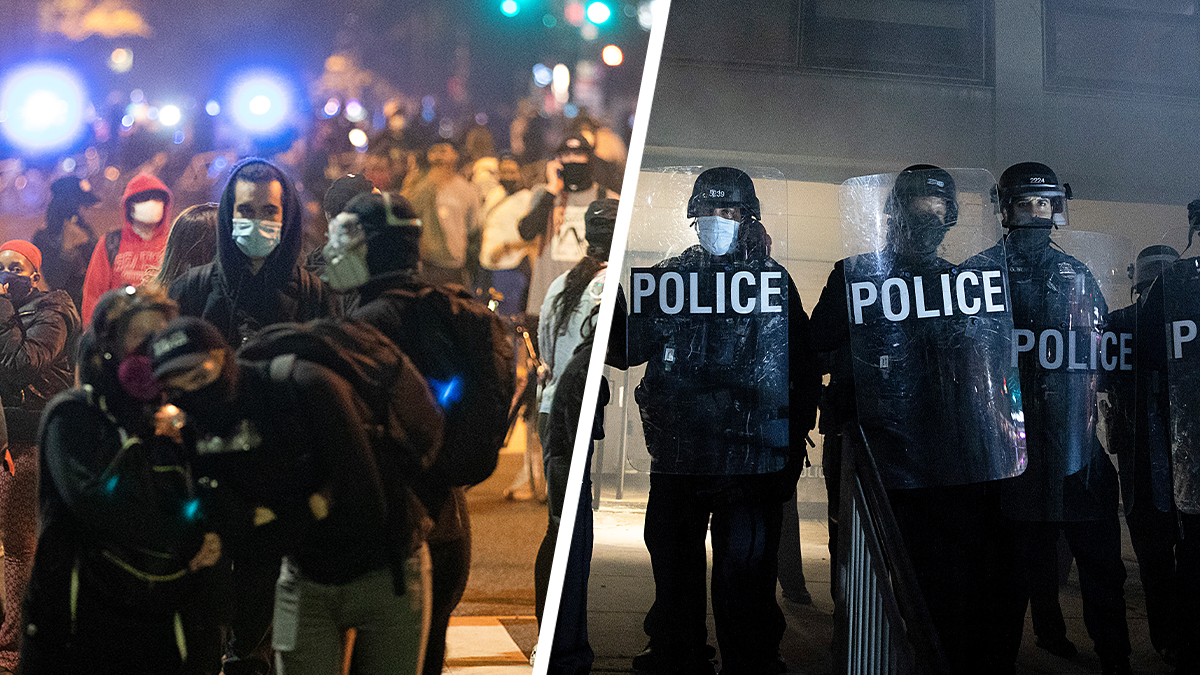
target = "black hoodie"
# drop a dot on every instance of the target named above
(239, 303)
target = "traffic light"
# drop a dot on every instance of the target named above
(510, 7)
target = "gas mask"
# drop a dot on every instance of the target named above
(716, 234)
(346, 253)
(256, 238)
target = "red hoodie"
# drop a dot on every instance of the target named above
(136, 259)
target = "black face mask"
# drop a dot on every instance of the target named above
(577, 176)
(209, 406)
(510, 186)
(19, 287)
(1027, 239)
(924, 234)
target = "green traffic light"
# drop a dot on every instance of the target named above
(510, 7)
(598, 12)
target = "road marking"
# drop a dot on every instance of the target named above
(481, 645)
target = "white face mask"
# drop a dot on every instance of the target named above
(148, 213)
(256, 238)
(716, 233)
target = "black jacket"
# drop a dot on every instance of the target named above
(37, 356)
(239, 303)
(311, 439)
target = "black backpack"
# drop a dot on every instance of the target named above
(463, 351)
(403, 425)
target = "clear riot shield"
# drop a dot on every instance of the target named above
(1134, 404)
(712, 331)
(1181, 316)
(1060, 283)
(937, 393)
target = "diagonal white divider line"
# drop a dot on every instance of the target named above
(608, 301)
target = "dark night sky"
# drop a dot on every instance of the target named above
(196, 46)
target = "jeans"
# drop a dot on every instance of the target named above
(311, 621)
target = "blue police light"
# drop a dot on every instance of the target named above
(42, 107)
(447, 392)
(260, 101)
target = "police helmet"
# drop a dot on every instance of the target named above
(1029, 179)
(923, 180)
(723, 187)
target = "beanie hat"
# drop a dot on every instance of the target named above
(26, 249)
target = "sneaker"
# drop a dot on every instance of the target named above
(1060, 647)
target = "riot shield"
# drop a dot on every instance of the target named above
(937, 394)
(711, 329)
(1134, 404)
(1181, 316)
(1066, 351)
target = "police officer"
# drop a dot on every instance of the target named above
(719, 443)
(905, 383)
(1069, 483)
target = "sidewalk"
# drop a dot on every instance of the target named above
(622, 589)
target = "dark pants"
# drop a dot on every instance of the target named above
(253, 586)
(1096, 545)
(947, 533)
(1169, 565)
(791, 557)
(1044, 607)
(831, 465)
(571, 652)
(19, 532)
(745, 539)
(451, 560)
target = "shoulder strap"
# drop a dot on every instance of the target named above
(112, 245)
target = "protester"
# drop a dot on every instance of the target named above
(124, 257)
(503, 252)
(449, 209)
(67, 240)
(297, 461)
(192, 243)
(123, 571)
(462, 350)
(256, 278)
(39, 332)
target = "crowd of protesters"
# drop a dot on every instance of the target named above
(253, 423)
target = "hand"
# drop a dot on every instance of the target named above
(554, 181)
(319, 505)
(262, 516)
(210, 552)
(168, 422)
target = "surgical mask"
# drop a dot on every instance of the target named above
(256, 238)
(716, 233)
(19, 286)
(577, 176)
(148, 213)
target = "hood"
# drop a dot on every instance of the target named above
(278, 267)
(141, 183)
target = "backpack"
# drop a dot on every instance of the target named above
(390, 389)
(463, 351)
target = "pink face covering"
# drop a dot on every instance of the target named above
(137, 378)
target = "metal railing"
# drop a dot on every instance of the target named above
(881, 622)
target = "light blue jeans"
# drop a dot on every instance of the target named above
(311, 621)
